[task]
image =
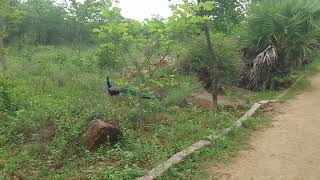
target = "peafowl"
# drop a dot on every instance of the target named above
(114, 91)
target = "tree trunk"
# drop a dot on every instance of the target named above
(215, 72)
(3, 59)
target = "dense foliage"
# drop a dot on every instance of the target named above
(227, 14)
(45, 22)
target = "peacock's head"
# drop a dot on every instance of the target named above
(109, 83)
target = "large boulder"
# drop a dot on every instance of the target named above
(99, 132)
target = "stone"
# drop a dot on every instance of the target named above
(99, 132)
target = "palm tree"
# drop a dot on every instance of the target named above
(281, 35)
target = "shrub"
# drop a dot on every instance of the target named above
(177, 94)
(197, 58)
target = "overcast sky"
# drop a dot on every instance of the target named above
(141, 9)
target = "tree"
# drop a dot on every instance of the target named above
(116, 36)
(42, 23)
(9, 16)
(155, 42)
(131, 42)
(192, 18)
(84, 17)
(226, 13)
(48, 23)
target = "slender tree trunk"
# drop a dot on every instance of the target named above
(3, 59)
(215, 72)
(158, 64)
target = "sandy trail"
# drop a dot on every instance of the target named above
(288, 151)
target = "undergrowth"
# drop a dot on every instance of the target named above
(63, 89)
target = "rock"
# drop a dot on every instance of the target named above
(99, 132)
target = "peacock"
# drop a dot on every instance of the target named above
(114, 91)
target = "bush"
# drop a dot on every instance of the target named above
(107, 58)
(197, 58)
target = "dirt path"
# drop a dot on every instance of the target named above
(288, 151)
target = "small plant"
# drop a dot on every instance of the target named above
(6, 103)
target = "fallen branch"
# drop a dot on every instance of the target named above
(177, 158)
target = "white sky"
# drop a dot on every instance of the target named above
(141, 9)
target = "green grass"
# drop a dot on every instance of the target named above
(64, 88)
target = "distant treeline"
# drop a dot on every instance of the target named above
(70, 23)
(44, 22)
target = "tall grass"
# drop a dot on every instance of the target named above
(178, 94)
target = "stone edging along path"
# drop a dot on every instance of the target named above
(178, 157)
